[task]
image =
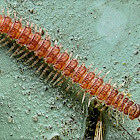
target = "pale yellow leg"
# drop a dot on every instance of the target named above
(123, 117)
(44, 71)
(4, 44)
(21, 51)
(68, 87)
(48, 77)
(60, 83)
(109, 112)
(35, 62)
(30, 59)
(98, 104)
(15, 53)
(23, 56)
(117, 117)
(55, 76)
(3, 39)
(40, 68)
(90, 98)
(99, 129)
(83, 97)
(14, 45)
(57, 80)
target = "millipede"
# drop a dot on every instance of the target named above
(64, 66)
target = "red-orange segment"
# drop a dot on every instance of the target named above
(134, 111)
(51, 57)
(61, 61)
(34, 42)
(111, 96)
(95, 86)
(5, 24)
(14, 32)
(87, 80)
(24, 37)
(43, 48)
(70, 67)
(103, 93)
(122, 105)
(79, 73)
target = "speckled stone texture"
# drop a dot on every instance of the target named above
(103, 33)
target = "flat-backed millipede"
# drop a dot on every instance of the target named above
(62, 63)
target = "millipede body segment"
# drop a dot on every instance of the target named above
(68, 67)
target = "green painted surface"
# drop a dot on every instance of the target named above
(102, 33)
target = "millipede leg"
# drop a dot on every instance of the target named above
(98, 104)
(14, 45)
(102, 109)
(99, 128)
(54, 76)
(23, 56)
(5, 43)
(98, 74)
(48, 77)
(57, 80)
(40, 68)
(83, 97)
(123, 117)
(44, 71)
(30, 59)
(60, 83)
(21, 51)
(15, 53)
(117, 117)
(68, 87)
(35, 62)
(109, 112)
(90, 98)
(3, 39)
(105, 74)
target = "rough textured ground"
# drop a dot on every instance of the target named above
(102, 33)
